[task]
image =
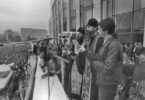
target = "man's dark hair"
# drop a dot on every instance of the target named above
(108, 24)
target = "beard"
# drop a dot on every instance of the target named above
(80, 39)
(90, 34)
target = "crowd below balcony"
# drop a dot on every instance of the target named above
(11, 53)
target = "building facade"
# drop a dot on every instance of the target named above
(69, 15)
(129, 16)
(29, 33)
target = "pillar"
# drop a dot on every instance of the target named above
(77, 14)
(68, 15)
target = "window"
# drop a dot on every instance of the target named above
(73, 23)
(137, 4)
(104, 9)
(87, 3)
(142, 3)
(73, 4)
(138, 20)
(64, 16)
(87, 15)
(110, 8)
(123, 21)
(59, 15)
(64, 23)
(123, 6)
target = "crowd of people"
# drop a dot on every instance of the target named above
(14, 53)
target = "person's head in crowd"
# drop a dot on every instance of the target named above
(41, 44)
(43, 55)
(30, 52)
(65, 41)
(92, 27)
(55, 48)
(45, 43)
(141, 56)
(67, 45)
(139, 44)
(60, 42)
(136, 44)
(139, 69)
(106, 27)
(81, 34)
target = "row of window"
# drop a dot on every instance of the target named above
(129, 17)
(121, 10)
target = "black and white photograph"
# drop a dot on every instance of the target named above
(72, 49)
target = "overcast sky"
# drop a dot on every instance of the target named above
(15, 14)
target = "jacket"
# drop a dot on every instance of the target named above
(108, 62)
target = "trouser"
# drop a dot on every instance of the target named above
(94, 89)
(107, 92)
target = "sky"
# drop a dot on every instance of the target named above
(15, 14)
